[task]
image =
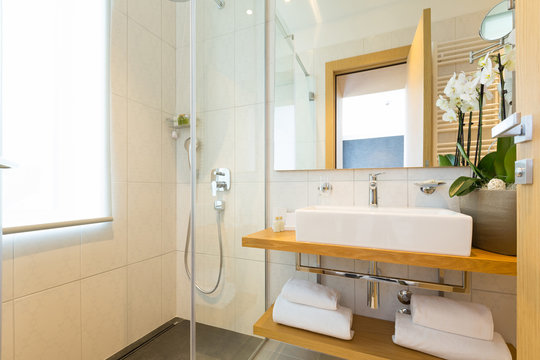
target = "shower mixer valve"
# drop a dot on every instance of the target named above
(220, 180)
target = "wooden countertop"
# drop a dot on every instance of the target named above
(479, 261)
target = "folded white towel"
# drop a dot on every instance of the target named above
(309, 293)
(446, 345)
(456, 317)
(336, 323)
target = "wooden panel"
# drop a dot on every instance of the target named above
(419, 90)
(346, 66)
(528, 196)
(479, 261)
(372, 339)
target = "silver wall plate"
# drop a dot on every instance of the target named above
(524, 171)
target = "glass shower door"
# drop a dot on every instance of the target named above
(228, 171)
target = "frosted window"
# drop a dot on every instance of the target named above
(55, 110)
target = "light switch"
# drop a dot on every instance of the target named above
(524, 171)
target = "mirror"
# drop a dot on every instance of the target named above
(353, 90)
(498, 23)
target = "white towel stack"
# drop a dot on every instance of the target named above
(313, 307)
(450, 329)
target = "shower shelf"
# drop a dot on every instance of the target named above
(372, 339)
(479, 261)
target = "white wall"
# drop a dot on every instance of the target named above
(87, 292)
(296, 189)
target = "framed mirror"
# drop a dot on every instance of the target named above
(356, 81)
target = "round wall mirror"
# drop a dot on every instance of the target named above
(498, 23)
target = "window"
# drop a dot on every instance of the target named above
(371, 116)
(55, 112)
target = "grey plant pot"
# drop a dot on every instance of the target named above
(494, 219)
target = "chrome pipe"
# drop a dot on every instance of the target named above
(464, 288)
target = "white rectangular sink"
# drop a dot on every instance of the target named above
(429, 230)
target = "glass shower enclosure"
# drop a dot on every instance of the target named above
(220, 68)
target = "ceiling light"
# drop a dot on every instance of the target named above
(249, 12)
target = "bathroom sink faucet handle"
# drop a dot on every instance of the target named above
(373, 176)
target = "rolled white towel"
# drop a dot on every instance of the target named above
(336, 323)
(456, 317)
(309, 293)
(446, 345)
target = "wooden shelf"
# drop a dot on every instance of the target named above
(372, 339)
(479, 261)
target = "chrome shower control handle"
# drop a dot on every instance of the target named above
(220, 180)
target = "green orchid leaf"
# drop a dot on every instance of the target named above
(486, 165)
(446, 160)
(463, 185)
(503, 144)
(509, 164)
(474, 168)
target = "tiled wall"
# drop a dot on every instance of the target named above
(230, 132)
(87, 292)
(295, 189)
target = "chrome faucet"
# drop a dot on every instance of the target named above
(373, 202)
(373, 286)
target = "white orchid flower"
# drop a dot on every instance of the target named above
(488, 94)
(487, 74)
(450, 116)
(443, 103)
(508, 58)
(483, 61)
(450, 89)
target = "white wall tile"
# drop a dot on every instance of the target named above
(120, 5)
(45, 259)
(119, 38)
(104, 246)
(342, 194)
(183, 286)
(144, 221)
(439, 199)
(104, 314)
(7, 267)
(218, 86)
(169, 271)
(144, 298)
(7, 331)
(493, 282)
(48, 324)
(147, 13)
(249, 143)
(119, 138)
(249, 218)
(168, 217)
(144, 65)
(249, 66)
(168, 19)
(168, 80)
(217, 21)
(219, 308)
(503, 309)
(183, 209)
(249, 301)
(144, 143)
(243, 19)
(279, 274)
(293, 195)
(168, 151)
